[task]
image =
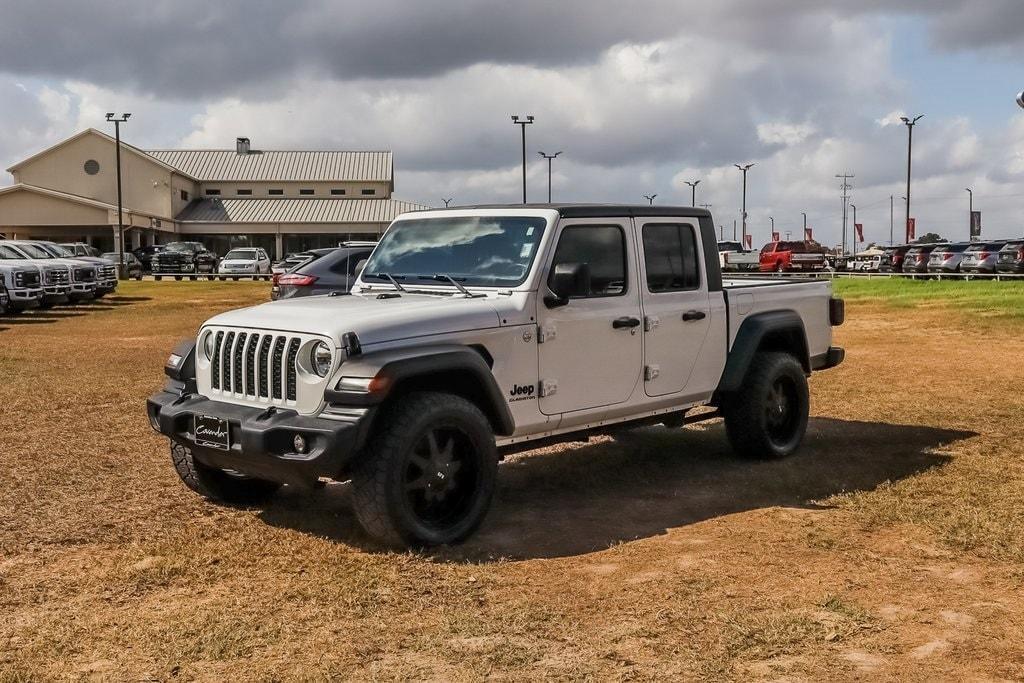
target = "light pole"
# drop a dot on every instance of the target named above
(970, 213)
(523, 122)
(854, 207)
(744, 169)
(890, 219)
(447, 201)
(772, 219)
(910, 144)
(650, 198)
(549, 157)
(693, 191)
(118, 120)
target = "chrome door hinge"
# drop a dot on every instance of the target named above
(651, 322)
(548, 387)
(651, 372)
(545, 333)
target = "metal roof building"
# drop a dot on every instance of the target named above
(282, 200)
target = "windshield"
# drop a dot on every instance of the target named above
(8, 253)
(485, 251)
(34, 251)
(58, 250)
(181, 246)
(242, 254)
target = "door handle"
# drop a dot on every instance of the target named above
(694, 315)
(625, 321)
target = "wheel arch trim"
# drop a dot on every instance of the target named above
(773, 330)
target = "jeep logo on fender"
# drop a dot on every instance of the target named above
(522, 392)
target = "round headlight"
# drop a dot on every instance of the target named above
(208, 345)
(320, 356)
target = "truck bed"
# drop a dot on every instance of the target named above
(808, 298)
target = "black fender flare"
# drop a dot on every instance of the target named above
(772, 330)
(394, 375)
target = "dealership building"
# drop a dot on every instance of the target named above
(283, 201)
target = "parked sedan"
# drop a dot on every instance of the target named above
(332, 273)
(244, 261)
(132, 264)
(981, 257)
(945, 258)
(916, 258)
(1011, 257)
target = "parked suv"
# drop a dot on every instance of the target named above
(916, 258)
(473, 333)
(184, 259)
(784, 256)
(945, 258)
(250, 261)
(1011, 257)
(145, 256)
(892, 259)
(132, 265)
(332, 273)
(981, 257)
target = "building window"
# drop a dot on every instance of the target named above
(213, 192)
(184, 195)
(275, 192)
(92, 167)
(244, 192)
(337, 191)
(303, 191)
(369, 192)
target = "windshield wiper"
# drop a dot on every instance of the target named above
(390, 278)
(444, 277)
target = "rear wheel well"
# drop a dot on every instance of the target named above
(787, 340)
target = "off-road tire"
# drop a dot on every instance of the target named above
(751, 430)
(158, 278)
(379, 482)
(177, 278)
(217, 485)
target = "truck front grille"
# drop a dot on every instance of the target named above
(57, 277)
(108, 271)
(255, 365)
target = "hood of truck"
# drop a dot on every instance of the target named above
(373, 320)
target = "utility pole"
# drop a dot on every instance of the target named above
(523, 122)
(744, 169)
(650, 198)
(121, 274)
(891, 216)
(721, 232)
(970, 213)
(734, 232)
(693, 191)
(549, 157)
(772, 219)
(804, 213)
(447, 201)
(910, 146)
(845, 187)
(854, 207)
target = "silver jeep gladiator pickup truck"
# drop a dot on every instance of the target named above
(477, 331)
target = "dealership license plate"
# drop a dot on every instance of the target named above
(212, 432)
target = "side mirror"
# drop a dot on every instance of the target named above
(359, 268)
(566, 281)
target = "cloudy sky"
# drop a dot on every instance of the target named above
(639, 96)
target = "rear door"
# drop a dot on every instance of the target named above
(675, 302)
(591, 349)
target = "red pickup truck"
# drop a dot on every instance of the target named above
(783, 256)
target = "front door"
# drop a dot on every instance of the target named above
(677, 313)
(591, 349)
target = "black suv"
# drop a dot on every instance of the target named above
(334, 272)
(1011, 257)
(145, 256)
(184, 259)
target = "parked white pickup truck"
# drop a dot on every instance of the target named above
(733, 257)
(478, 331)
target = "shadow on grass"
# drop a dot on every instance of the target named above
(585, 497)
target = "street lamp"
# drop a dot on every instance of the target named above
(744, 169)
(854, 207)
(693, 191)
(910, 142)
(804, 213)
(523, 122)
(447, 201)
(970, 213)
(650, 198)
(549, 157)
(772, 219)
(118, 120)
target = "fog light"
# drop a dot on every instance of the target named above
(300, 443)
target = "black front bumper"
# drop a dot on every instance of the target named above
(261, 439)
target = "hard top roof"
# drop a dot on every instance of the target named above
(598, 210)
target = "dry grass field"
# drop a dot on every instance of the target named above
(890, 547)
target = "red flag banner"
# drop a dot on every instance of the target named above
(775, 237)
(749, 240)
(911, 229)
(808, 234)
(859, 229)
